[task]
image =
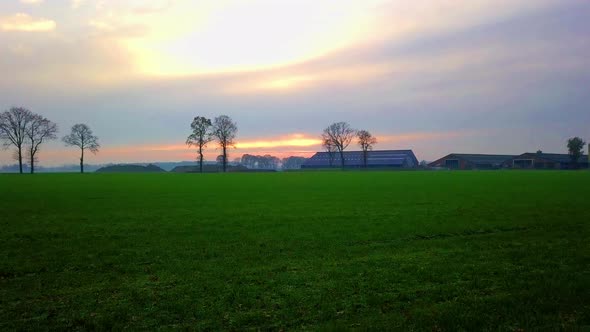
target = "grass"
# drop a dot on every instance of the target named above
(446, 251)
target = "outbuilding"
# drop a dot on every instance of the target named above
(471, 161)
(540, 160)
(354, 159)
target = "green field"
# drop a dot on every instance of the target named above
(430, 251)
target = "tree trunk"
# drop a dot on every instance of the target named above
(82, 162)
(224, 159)
(200, 159)
(32, 162)
(342, 158)
(365, 158)
(20, 160)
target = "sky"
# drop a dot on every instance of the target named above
(465, 76)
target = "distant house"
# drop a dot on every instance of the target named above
(472, 161)
(354, 159)
(539, 160)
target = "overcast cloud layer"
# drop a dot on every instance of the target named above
(435, 76)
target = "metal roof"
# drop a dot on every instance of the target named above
(494, 159)
(379, 158)
(555, 157)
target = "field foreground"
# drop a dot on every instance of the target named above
(326, 250)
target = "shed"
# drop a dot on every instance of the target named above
(472, 161)
(354, 159)
(540, 160)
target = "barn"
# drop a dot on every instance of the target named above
(472, 161)
(354, 159)
(540, 160)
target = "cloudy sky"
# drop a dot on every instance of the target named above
(497, 76)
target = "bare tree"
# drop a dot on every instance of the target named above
(83, 138)
(366, 142)
(339, 135)
(200, 136)
(13, 130)
(38, 131)
(329, 147)
(225, 130)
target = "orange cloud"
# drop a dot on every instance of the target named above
(284, 146)
(293, 140)
(296, 140)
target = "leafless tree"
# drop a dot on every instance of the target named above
(339, 135)
(200, 137)
(225, 131)
(13, 130)
(38, 131)
(83, 138)
(366, 142)
(329, 147)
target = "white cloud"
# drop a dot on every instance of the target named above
(24, 22)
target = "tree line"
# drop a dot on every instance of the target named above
(335, 138)
(203, 131)
(26, 132)
(338, 136)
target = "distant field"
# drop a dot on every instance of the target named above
(430, 251)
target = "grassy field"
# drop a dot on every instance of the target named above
(447, 251)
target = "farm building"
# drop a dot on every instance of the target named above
(471, 161)
(354, 159)
(541, 160)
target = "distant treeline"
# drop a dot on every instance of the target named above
(250, 162)
(26, 132)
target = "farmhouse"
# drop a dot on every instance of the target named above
(472, 161)
(354, 159)
(541, 160)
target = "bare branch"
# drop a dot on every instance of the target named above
(39, 130)
(82, 137)
(225, 131)
(366, 142)
(201, 135)
(338, 135)
(13, 127)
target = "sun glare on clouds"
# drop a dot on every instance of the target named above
(234, 36)
(182, 38)
(297, 140)
(24, 22)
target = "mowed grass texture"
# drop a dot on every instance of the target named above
(447, 251)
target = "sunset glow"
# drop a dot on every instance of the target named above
(293, 141)
(433, 76)
(24, 22)
(272, 34)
